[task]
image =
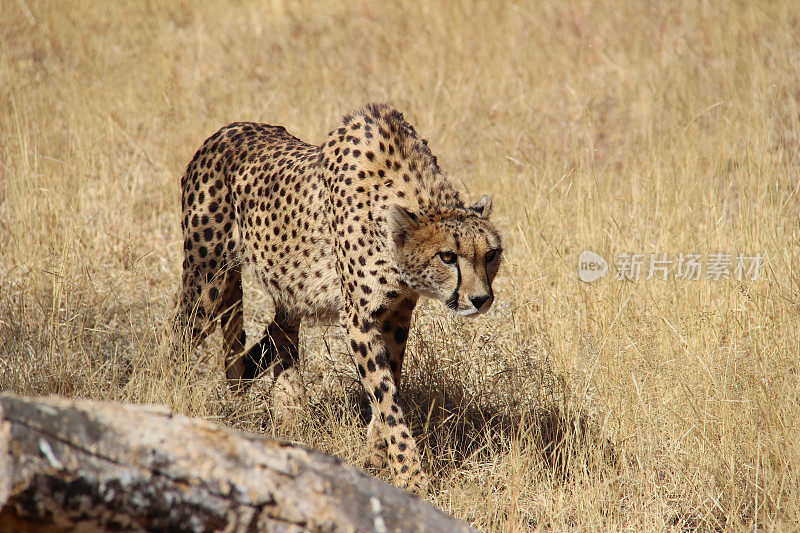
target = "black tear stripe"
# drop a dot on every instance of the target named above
(452, 301)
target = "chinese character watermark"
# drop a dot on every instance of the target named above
(659, 265)
(747, 267)
(628, 266)
(688, 266)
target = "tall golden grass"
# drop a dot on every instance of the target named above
(617, 127)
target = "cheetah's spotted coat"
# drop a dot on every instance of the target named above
(355, 229)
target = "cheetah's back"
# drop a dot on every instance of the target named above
(253, 195)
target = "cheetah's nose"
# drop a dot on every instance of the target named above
(478, 301)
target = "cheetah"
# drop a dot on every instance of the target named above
(354, 231)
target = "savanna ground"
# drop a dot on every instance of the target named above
(657, 127)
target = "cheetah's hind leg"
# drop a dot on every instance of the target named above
(233, 334)
(194, 311)
(278, 349)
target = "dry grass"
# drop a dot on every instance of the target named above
(653, 127)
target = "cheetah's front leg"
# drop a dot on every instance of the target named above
(394, 326)
(373, 358)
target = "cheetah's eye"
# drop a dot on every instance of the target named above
(490, 256)
(448, 258)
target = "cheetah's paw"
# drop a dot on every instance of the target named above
(288, 396)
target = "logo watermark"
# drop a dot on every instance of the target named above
(634, 267)
(591, 266)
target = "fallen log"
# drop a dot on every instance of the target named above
(67, 464)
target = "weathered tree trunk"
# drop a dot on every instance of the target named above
(95, 466)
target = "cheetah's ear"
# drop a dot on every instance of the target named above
(483, 206)
(401, 223)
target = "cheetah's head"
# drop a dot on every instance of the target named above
(452, 256)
